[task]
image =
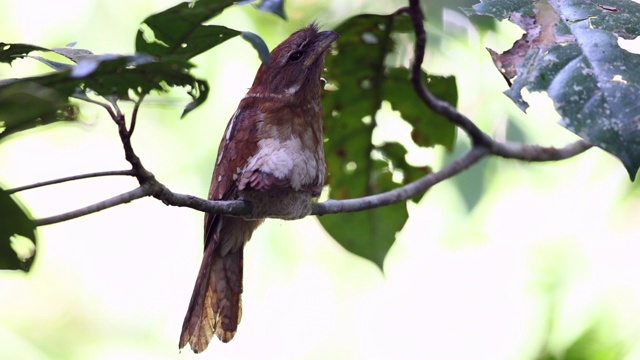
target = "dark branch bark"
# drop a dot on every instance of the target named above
(239, 208)
(439, 106)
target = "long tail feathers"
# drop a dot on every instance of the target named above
(215, 306)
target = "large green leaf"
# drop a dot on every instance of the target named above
(355, 166)
(179, 32)
(17, 235)
(25, 105)
(570, 50)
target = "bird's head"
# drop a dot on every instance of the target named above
(295, 65)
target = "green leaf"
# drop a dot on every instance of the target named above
(258, 44)
(273, 6)
(501, 9)
(368, 232)
(395, 153)
(106, 75)
(11, 52)
(355, 166)
(17, 235)
(179, 31)
(24, 105)
(429, 128)
(570, 50)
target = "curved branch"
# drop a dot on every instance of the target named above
(483, 145)
(539, 153)
(402, 193)
(124, 198)
(71, 178)
(134, 114)
(235, 207)
(438, 106)
(159, 191)
(478, 137)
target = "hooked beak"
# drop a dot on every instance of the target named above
(323, 40)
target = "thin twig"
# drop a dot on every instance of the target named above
(134, 194)
(539, 153)
(134, 114)
(72, 178)
(402, 193)
(439, 106)
(159, 191)
(483, 146)
(96, 102)
(143, 175)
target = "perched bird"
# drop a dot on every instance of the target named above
(271, 155)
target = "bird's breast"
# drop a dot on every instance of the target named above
(291, 159)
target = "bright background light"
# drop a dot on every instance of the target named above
(548, 252)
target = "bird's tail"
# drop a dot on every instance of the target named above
(215, 306)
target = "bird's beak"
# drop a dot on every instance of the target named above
(323, 40)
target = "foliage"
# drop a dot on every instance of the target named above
(570, 50)
(356, 167)
(16, 224)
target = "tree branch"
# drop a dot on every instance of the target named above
(71, 178)
(538, 153)
(482, 145)
(438, 106)
(478, 137)
(129, 196)
(402, 193)
(134, 114)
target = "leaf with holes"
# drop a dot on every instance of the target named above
(571, 50)
(355, 166)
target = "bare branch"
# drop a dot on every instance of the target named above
(236, 207)
(134, 114)
(154, 188)
(539, 153)
(402, 193)
(478, 137)
(142, 174)
(129, 196)
(439, 106)
(483, 146)
(71, 178)
(86, 98)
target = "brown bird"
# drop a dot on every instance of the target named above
(271, 155)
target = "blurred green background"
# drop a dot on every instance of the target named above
(508, 261)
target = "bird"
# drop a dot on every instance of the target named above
(272, 156)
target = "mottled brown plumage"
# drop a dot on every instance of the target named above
(271, 155)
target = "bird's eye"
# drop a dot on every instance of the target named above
(296, 56)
